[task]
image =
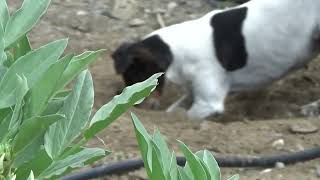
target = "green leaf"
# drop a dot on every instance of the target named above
(211, 163)
(16, 118)
(32, 66)
(194, 163)
(8, 59)
(38, 164)
(234, 177)
(120, 103)
(53, 106)
(143, 139)
(44, 89)
(4, 13)
(32, 128)
(3, 70)
(3, 56)
(157, 168)
(4, 126)
(29, 152)
(1, 162)
(31, 176)
(183, 175)
(10, 98)
(22, 47)
(165, 152)
(206, 169)
(24, 19)
(77, 109)
(173, 167)
(77, 65)
(62, 94)
(73, 161)
(4, 113)
(188, 171)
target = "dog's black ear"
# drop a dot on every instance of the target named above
(154, 49)
(122, 58)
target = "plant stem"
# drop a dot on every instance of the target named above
(74, 148)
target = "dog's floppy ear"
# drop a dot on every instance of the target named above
(153, 50)
(141, 54)
(122, 57)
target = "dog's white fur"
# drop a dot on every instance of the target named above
(280, 36)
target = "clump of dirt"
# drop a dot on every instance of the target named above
(253, 123)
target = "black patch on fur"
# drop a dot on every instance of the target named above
(228, 39)
(136, 62)
(121, 59)
(161, 51)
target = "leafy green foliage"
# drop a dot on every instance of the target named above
(4, 13)
(73, 161)
(24, 19)
(43, 127)
(119, 104)
(32, 66)
(77, 111)
(160, 162)
(44, 89)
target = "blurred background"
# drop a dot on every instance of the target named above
(262, 122)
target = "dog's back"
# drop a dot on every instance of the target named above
(277, 38)
(280, 36)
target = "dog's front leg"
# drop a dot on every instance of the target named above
(209, 94)
(181, 102)
(201, 109)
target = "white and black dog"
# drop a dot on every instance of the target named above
(235, 49)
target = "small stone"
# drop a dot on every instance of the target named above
(266, 171)
(82, 13)
(277, 143)
(280, 176)
(280, 165)
(148, 11)
(318, 170)
(303, 128)
(80, 25)
(172, 5)
(137, 22)
(159, 10)
(299, 147)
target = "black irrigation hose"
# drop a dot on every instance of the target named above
(267, 161)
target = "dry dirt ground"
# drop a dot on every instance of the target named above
(255, 123)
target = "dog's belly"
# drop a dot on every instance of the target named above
(269, 63)
(252, 80)
(256, 76)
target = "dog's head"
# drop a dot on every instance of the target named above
(136, 62)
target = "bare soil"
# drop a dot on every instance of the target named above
(255, 123)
